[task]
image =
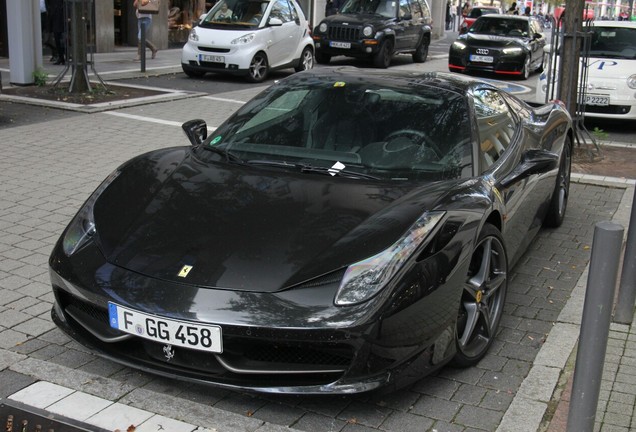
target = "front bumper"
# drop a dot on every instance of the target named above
(501, 64)
(359, 48)
(294, 341)
(234, 59)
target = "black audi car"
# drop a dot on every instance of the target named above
(502, 44)
(375, 30)
(343, 231)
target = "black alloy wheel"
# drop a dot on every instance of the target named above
(482, 300)
(556, 212)
(258, 68)
(306, 60)
(322, 58)
(382, 59)
(421, 52)
(525, 72)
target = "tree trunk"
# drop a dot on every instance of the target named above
(570, 54)
(79, 71)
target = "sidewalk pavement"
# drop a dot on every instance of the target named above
(49, 168)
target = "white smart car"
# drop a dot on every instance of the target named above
(250, 38)
(611, 82)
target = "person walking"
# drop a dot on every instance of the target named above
(143, 20)
(56, 20)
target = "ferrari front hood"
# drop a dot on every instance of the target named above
(245, 228)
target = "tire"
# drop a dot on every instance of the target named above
(421, 52)
(322, 58)
(525, 72)
(258, 68)
(306, 60)
(483, 297)
(559, 201)
(382, 59)
(190, 73)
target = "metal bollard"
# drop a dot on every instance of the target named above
(597, 312)
(142, 48)
(624, 312)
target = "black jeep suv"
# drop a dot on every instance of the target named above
(375, 29)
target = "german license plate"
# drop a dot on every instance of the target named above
(345, 45)
(164, 330)
(597, 100)
(211, 58)
(481, 59)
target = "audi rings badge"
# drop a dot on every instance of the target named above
(482, 51)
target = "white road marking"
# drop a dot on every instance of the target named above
(149, 119)
(224, 100)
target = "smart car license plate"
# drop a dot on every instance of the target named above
(481, 58)
(164, 330)
(345, 45)
(211, 58)
(597, 100)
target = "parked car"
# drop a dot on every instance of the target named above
(611, 71)
(254, 37)
(375, 30)
(501, 44)
(343, 231)
(475, 13)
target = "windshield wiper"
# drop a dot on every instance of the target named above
(335, 172)
(304, 168)
(228, 155)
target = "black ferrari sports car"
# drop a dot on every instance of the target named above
(501, 44)
(341, 232)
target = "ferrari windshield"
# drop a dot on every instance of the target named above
(386, 8)
(379, 128)
(501, 27)
(613, 42)
(228, 14)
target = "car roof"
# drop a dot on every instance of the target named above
(445, 80)
(608, 23)
(514, 17)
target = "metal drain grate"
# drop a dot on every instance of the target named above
(17, 417)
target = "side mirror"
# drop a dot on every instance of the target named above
(196, 131)
(537, 36)
(275, 22)
(532, 162)
(407, 17)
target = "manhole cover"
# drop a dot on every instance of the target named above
(17, 417)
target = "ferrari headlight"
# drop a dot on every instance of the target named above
(82, 227)
(631, 82)
(245, 39)
(193, 35)
(459, 45)
(366, 278)
(367, 31)
(323, 28)
(513, 50)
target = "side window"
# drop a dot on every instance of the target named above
(294, 12)
(426, 11)
(496, 125)
(405, 9)
(416, 9)
(281, 11)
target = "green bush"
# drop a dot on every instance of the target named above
(39, 77)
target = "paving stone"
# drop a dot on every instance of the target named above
(479, 418)
(406, 422)
(312, 422)
(278, 413)
(12, 382)
(439, 409)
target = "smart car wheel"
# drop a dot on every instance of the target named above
(258, 68)
(482, 300)
(558, 204)
(322, 58)
(421, 52)
(306, 60)
(382, 58)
